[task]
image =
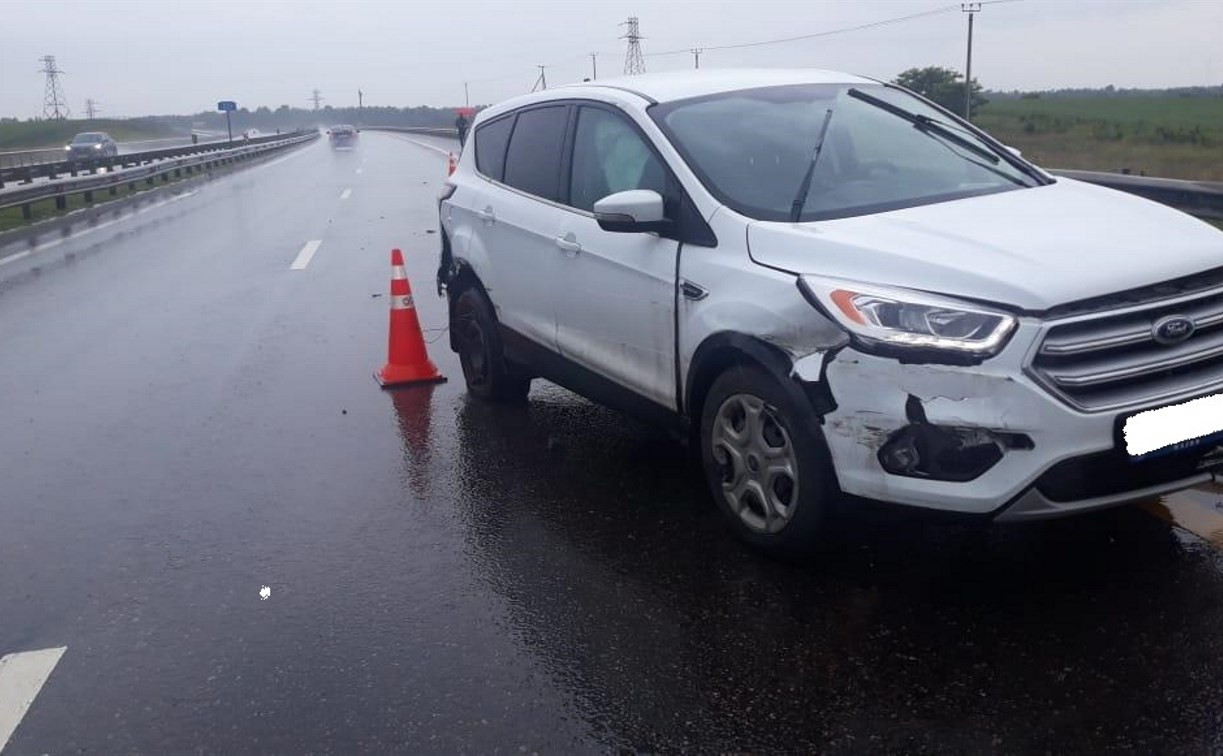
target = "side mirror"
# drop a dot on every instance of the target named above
(633, 212)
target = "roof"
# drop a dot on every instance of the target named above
(677, 85)
(680, 85)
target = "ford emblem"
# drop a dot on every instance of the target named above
(1173, 329)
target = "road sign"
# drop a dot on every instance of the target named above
(227, 105)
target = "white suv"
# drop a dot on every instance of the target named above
(831, 285)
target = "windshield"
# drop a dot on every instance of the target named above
(90, 138)
(883, 149)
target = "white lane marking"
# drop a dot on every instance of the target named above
(16, 257)
(427, 146)
(56, 242)
(307, 253)
(346, 194)
(360, 170)
(22, 675)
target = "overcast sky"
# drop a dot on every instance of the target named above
(139, 57)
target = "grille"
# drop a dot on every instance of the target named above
(1111, 361)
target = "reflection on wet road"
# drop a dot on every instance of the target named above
(188, 420)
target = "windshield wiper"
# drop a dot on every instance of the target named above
(796, 208)
(927, 125)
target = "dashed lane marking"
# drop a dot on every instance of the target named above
(346, 194)
(22, 675)
(306, 255)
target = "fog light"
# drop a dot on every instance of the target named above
(922, 450)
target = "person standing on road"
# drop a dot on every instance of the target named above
(460, 125)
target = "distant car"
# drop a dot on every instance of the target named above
(251, 134)
(343, 135)
(91, 144)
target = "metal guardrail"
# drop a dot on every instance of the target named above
(110, 180)
(27, 174)
(427, 130)
(1203, 199)
(32, 157)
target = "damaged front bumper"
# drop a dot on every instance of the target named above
(982, 439)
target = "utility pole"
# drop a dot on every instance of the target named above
(91, 108)
(634, 61)
(594, 67)
(316, 98)
(696, 56)
(972, 9)
(466, 95)
(54, 104)
(542, 82)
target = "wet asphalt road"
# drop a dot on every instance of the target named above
(185, 420)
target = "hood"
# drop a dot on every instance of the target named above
(1028, 248)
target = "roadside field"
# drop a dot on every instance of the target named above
(31, 135)
(1167, 136)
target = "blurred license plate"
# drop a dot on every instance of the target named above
(1173, 428)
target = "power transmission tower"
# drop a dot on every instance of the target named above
(594, 67)
(634, 61)
(696, 57)
(91, 108)
(542, 82)
(54, 104)
(316, 98)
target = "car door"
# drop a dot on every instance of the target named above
(616, 296)
(517, 217)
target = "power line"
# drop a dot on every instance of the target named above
(814, 35)
(54, 103)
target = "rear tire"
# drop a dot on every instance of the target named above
(766, 462)
(478, 342)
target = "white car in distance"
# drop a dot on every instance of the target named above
(833, 286)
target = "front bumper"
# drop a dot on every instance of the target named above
(1069, 461)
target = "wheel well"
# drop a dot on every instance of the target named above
(464, 277)
(712, 364)
(723, 351)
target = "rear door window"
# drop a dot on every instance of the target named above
(491, 140)
(533, 161)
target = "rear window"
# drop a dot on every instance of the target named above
(491, 140)
(533, 161)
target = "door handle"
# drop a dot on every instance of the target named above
(568, 244)
(487, 215)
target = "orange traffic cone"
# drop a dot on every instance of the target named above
(407, 361)
(451, 165)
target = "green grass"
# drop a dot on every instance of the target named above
(1168, 136)
(30, 135)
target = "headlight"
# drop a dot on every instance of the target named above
(68, 147)
(97, 146)
(900, 319)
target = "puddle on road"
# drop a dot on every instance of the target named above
(1198, 510)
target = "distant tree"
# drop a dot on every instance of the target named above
(942, 85)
